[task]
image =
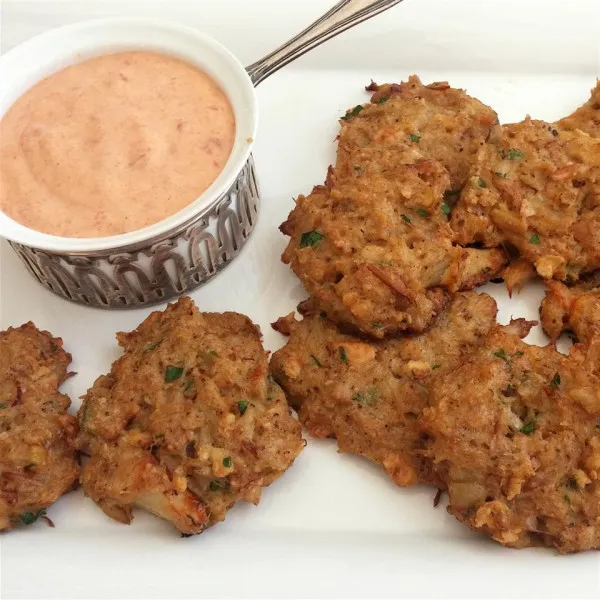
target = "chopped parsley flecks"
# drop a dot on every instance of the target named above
(384, 263)
(382, 100)
(358, 169)
(353, 113)
(343, 356)
(555, 383)
(2, 405)
(436, 366)
(445, 208)
(310, 238)
(242, 406)
(368, 397)
(213, 353)
(218, 484)
(29, 518)
(501, 353)
(406, 218)
(173, 373)
(415, 138)
(535, 239)
(315, 361)
(422, 212)
(481, 183)
(572, 483)
(189, 385)
(512, 154)
(519, 353)
(153, 345)
(501, 175)
(528, 428)
(376, 325)
(227, 462)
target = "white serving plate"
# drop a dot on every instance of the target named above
(334, 525)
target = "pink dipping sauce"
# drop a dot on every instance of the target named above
(113, 144)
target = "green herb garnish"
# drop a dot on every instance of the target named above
(534, 239)
(227, 462)
(358, 169)
(422, 212)
(353, 113)
(217, 484)
(213, 353)
(315, 361)
(512, 154)
(242, 406)
(153, 345)
(172, 373)
(415, 138)
(382, 100)
(406, 219)
(310, 238)
(343, 355)
(367, 397)
(29, 518)
(2, 405)
(376, 325)
(501, 353)
(189, 385)
(518, 353)
(528, 428)
(501, 175)
(445, 209)
(436, 366)
(555, 383)
(481, 183)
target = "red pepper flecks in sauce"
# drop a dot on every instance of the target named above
(113, 144)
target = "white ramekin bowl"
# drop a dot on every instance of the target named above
(182, 251)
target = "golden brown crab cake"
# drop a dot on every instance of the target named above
(368, 394)
(536, 187)
(187, 422)
(575, 308)
(38, 459)
(375, 251)
(443, 123)
(515, 434)
(587, 117)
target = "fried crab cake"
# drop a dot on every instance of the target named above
(368, 394)
(536, 187)
(514, 432)
(587, 117)
(375, 251)
(575, 308)
(187, 422)
(38, 459)
(444, 123)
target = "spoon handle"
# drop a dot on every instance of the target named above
(342, 16)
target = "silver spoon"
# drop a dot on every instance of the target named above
(342, 16)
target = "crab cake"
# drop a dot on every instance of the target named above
(187, 422)
(575, 308)
(375, 250)
(515, 434)
(444, 123)
(536, 187)
(368, 394)
(587, 117)
(38, 459)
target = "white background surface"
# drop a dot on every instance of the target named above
(334, 525)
